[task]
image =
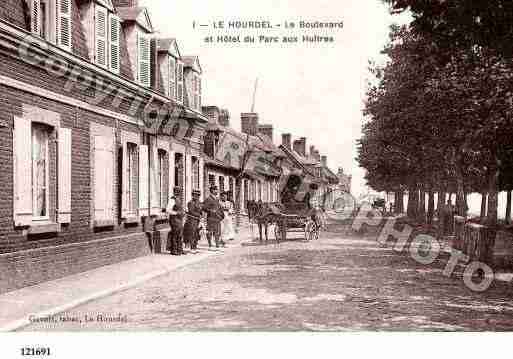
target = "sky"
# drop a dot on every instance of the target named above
(309, 90)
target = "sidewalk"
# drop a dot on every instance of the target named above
(54, 297)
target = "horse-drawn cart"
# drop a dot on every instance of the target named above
(296, 219)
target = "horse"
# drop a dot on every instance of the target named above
(263, 214)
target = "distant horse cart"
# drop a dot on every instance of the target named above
(285, 219)
(289, 215)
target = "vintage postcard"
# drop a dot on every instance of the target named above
(227, 166)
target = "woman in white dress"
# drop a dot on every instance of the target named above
(227, 230)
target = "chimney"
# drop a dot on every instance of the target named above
(125, 3)
(300, 146)
(266, 130)
(286, 140)
(249, 123)
(312, 151)
(212, 112)
(324, 161)
(340, 171)
(317, 156)
(224, 118)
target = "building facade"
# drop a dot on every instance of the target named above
(100, 121)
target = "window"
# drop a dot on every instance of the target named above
(211, 180)
(179, 170)
(40, 172)
(221, 184)
(232, 188)
(51, 20)
(179, 82)
(172, 77)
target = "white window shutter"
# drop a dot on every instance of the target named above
(143, 181)
(114, 35)
(64, 24)
(124, 181)
(101, 36)
(22, 172)
(201, 177)
(179, 82)
(171, 173)
(188, 178)
(103, 178)
(172, 78)
(154, 179)
(144, 72)
(35, 17)
(64, 173)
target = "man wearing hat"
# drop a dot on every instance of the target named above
(176, 223)
(214, 216)
(194, 213)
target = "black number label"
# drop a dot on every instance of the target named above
(28, 351)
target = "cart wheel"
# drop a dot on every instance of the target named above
(309, 230)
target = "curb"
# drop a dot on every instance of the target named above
(21, 323)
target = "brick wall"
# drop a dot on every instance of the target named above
(31, 267)
(13, 11)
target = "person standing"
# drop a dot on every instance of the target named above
(227, 231)
(176, 223)
(214, 217)
(191, 228)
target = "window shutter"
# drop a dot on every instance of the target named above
(201, 177)
(64, 33)
(171, 173)
(114, 35)
(101, 36)
(199, 93)
(64, 173)
(103, 178)
(22, 172)
(154, 179)
(35, 17)
(124, 181)
(188, 178)
(144, 60)
(172, 77)
(143, 181)
(179, 82)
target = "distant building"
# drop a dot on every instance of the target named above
(344, 183)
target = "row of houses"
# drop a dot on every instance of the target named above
(100, 120)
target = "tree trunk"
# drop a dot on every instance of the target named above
(508, 208)
(401, 202)
(493, 195)
(431, 207)
(484, 200)
(440, 205)
(422, 206)
(413, 201)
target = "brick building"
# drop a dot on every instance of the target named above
(224, 150)
(100, 121)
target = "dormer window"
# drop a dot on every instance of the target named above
(51, 20)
